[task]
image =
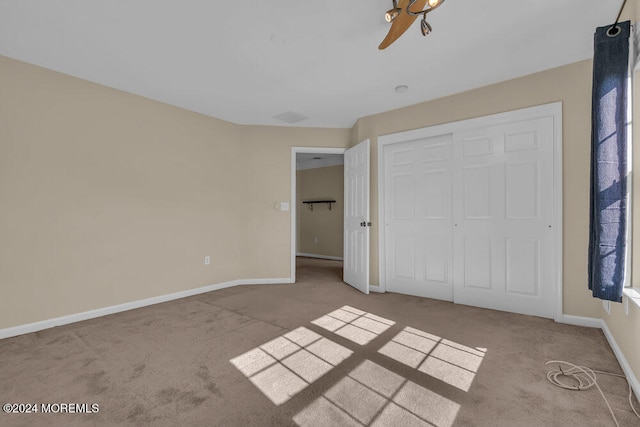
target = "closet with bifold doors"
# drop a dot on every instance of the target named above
(469, 214)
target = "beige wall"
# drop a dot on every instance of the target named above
(327, 226)
(267, 162)
(107, 197)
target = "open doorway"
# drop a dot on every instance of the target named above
(317, 215)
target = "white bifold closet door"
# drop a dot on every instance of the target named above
(469, 214)
(418, 212)
(503, 242)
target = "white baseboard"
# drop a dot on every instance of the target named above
(276, 281)
(86, 315)
(601, 324)
(335, 258)
(375, 289)
(589, 322)
(626, 368)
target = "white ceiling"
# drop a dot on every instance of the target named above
(247, 61)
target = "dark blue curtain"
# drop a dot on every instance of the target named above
(608, 225)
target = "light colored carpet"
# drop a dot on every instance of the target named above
(313, 353)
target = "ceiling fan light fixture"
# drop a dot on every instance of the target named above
(425, 27)
(430, 4)
(399, 26)
(392, 14)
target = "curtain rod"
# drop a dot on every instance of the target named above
(614, 29)
(619, 13)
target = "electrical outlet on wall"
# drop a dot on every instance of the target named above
(315, 240)
(207, 260)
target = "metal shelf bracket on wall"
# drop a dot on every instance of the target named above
(311, 202)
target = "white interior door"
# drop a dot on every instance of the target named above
(503, 211)
(356, 221)
(418, 217)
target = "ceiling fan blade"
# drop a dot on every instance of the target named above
(402, 22)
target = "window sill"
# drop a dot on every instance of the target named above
(633, 294)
